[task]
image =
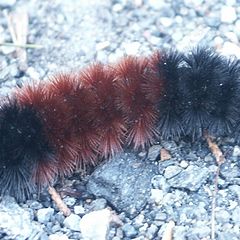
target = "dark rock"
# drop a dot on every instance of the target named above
(153, 152)
(124, 181)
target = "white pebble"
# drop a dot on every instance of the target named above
(232, 37)
(228, 14)
(230, 2)
(57, 236)
(131, 48)
(102, 45)
(33, 74)
(218, 41)
(95, 225)
(117, 7)
(154, 40)
(184, 164)
(166, 22)
(156, 4)
(157, 195)
(79, 210)
(236, 151)
(231, 49)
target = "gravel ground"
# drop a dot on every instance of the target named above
(75, 33)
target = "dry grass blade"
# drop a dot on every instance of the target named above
(59, 202)
(216, 151)
(18, 27)
(168, 234)
(214, 196)
(8, 44)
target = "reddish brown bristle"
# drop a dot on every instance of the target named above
(80, 104)
(108, 120)
(137, 108)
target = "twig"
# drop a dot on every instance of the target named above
(59, 202)
(216, 151)
(27, 45)
(168, 234)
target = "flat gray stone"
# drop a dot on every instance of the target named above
(192, 178)
(124, 181)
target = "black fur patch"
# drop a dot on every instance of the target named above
(22, 145)
(209, 86)
(170, 104)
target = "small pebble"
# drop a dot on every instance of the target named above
(160, 216)
(236, 151)
(157, 195)
(129, 231)
(172, 171)
(44, 215)
(72, 222)
(95, 225)
(117, 7)
(156, 4)
(152, 231)
(7, 3)
(184, 164)
(228, 14)
(70, 201)
(236, 215)
(222, 216)
(79, 210)
(58, 236)
(154, 152)
(98, 204)
(131, 48)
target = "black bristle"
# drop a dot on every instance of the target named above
(22, 145)
(170, 104)
(208, 86)
(227, 111)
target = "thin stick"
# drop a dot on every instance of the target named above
(214, 197)
(216, 151)
(59, 202)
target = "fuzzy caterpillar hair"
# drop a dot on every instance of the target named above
(77, 119)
